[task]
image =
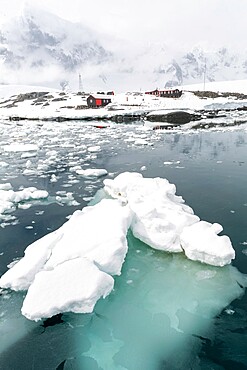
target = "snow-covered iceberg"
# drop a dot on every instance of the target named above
(72, 267)
(164, 222)
(159, 214)
(75, 285)
(20, 147)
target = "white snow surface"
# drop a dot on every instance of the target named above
(211, 248)
(88, 239)
(72, 267)
(159, 214)
(164, 222)
(79, 278)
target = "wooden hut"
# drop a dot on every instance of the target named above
(98, 100)
(165, 93)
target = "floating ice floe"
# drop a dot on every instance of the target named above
(78, 279)
(53, 178)
(201, 242)
(89, 247)
(3, 164)
(141, 141)
(94, 149)
(92, 172)
(20, 148)
(159, 215)
(66, 198)
(72, 267)
(10, 198)
(164, 222)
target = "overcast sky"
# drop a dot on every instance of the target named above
(183, 22)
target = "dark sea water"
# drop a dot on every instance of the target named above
(157, 317)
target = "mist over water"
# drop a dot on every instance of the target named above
(165, 312)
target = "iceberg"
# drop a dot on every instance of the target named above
(71, 268)
(164, 222)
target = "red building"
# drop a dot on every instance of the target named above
(98, 100)
(165, 93)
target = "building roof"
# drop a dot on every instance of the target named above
(101, 96)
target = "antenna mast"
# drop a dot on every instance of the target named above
(80, 83)
(204, 77)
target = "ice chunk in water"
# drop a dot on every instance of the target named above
(88, 236)
(75, 285)
(159, 214)
(156, 215)
(201, 242)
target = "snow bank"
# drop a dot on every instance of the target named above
(126, 103)
(70, 268)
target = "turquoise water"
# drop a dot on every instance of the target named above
(165, 312)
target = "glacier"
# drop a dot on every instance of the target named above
(70, 269)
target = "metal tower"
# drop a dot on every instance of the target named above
(80, 83)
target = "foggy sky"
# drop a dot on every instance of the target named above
(185, 23)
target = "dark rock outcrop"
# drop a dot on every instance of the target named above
(176, 117)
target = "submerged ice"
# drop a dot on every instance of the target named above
(72, 267)
(162, 305)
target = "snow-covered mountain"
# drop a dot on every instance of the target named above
(197, 65)
(40, 48)
(38, 40)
